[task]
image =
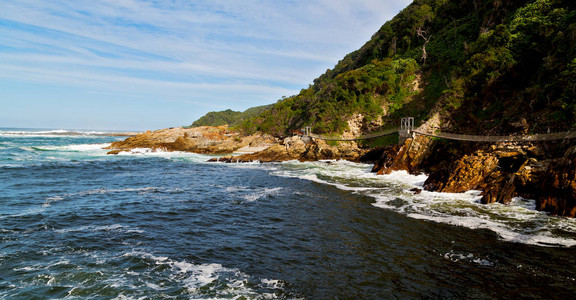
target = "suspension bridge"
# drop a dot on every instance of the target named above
(407, 130)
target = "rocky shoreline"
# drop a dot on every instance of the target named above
(204, 140)
(222, 140)
(545, 171)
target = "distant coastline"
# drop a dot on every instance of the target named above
(63, 132)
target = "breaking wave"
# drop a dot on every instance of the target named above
(517, 222)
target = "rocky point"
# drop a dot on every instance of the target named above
(545, 171)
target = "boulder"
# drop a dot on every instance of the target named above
(466, 173)
(295, 148)
(557, 188)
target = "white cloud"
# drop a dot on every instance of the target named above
(252, 47)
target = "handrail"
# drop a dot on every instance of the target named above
(362, 137)
(407, 125)
(512, 138)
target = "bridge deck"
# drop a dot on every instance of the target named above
(512, 138)
(458, 137)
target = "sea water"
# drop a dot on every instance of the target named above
(76, 223)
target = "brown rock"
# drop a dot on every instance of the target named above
(498, 188)
(393, 159)
(295, 148)
(114, 152)
(506, 154)
(535, 151)
(416, 191)
(216, 140)
(557, 189)
(467, 173)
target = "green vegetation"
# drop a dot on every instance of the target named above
(380, 141)
(485, 64)
(217, 118)
(326, 106)
(229, 117)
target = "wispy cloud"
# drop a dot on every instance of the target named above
(253, 47)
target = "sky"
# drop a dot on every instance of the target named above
(151, 64)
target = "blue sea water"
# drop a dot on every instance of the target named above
(76, 223)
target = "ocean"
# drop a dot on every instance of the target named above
(76, 223)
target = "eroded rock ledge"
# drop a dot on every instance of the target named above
(296, 148)
(206, 139)
(221, 140)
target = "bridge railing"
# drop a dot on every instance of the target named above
(407, 129)
(512, 138)
(358, 138)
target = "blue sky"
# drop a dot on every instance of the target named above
(150, 64)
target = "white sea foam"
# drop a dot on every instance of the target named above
(251, 194)
(211, 278)
(458, 257)
(262, 194)
(26, 269)
(27, 212)
(274, 284)
(53, 133)
(516, 222)
(121, 296)
(95, 228)
(153, 152)
(174, 155)
(76, 147)
(103, 191)
(48, 201)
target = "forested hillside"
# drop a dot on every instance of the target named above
(229, 117)
(489, 66)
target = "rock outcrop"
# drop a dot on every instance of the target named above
(556, 191)
(501, 171)
(221, 140)
(302, 149)
(205, 139)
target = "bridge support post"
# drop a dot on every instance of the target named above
(307, 131)
(405, 131)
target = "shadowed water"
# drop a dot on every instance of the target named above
(77, 224)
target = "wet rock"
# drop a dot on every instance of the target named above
(114, 152)
(557, 189)
(498, 188)
(409, 156)
(467, 173)
(416, 191)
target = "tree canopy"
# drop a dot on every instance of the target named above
(486, 63)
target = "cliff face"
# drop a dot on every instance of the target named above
(488, 67)
(545, 171)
